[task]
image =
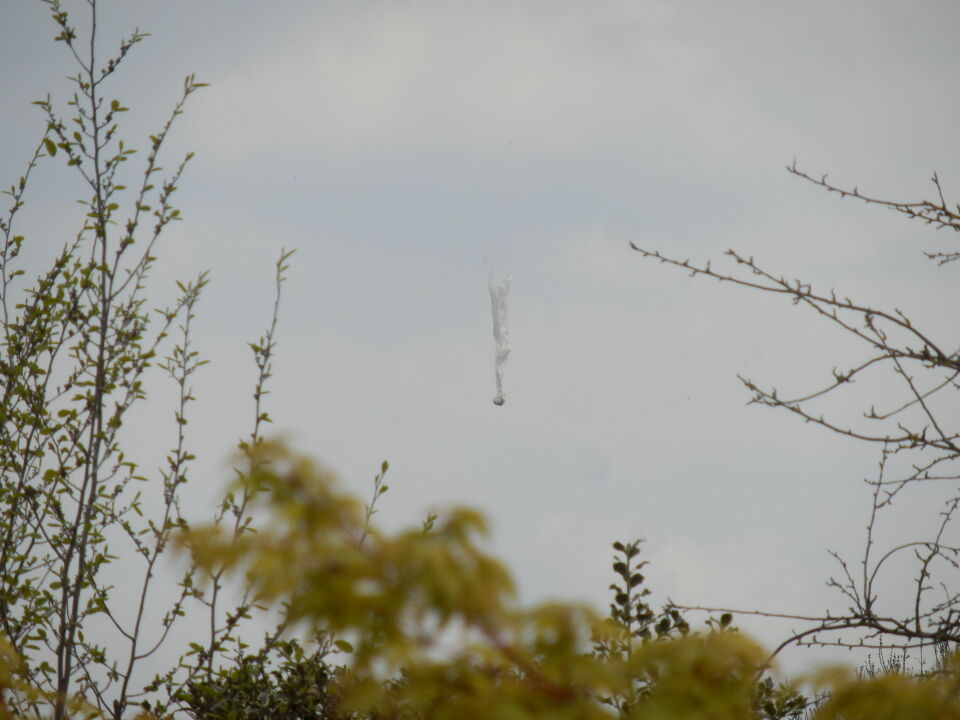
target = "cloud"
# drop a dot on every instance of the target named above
(548, 78)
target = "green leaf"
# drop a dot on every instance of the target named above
(343, 645)
(51, 146)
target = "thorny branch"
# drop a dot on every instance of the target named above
(915, 437)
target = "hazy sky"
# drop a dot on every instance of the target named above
(405, 148)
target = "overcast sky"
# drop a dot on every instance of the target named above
(406, 148)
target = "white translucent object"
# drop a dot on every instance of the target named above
(498, 304)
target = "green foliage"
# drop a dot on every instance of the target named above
(639, 624)
(77, 344)
(892, 696)
(75, 347)
(311, 556)
(779, 701)
(700, 676)
(282, 681)
(434, 630)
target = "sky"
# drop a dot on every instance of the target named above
(407, 149)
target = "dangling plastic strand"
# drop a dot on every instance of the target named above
(498, 304)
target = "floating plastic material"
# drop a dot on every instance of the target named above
(498, 304)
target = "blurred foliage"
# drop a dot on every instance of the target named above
(892, 695)
(431, 628)
(424, 624)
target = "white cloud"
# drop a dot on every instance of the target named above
(554, 78)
